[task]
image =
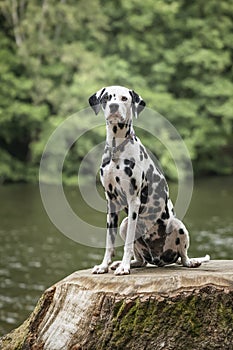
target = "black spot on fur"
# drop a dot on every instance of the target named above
(114, 129)
(181, 231)
(128, 132)
(112, 225)
(133, 186)
(157, 210)
(134, 216)
(133, 183)
(130, 162)
(165, 214)
(156, 196)
(149, 177)
(110, 187)
(128, 171)
(156, 178)
(121, 125)
(156, 261)
(142, 208)
(101, 172)
(144, 194)
(104, 100)
(161, 228)
(177, 241)
(106, 161)
(132, 141)
(143, 153)
(169, 256)
(111, 196)
(117, 179)
(146, 254)
(160, 189)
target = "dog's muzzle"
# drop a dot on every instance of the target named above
(113, 107)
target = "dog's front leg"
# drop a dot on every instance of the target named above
(133, 209)
(112, 224)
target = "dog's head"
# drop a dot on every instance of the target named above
(117, 102)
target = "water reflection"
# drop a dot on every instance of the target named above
(34, 255)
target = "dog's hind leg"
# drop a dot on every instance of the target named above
(176, 228)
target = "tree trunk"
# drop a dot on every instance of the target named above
(152, 308)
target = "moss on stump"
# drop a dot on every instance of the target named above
(196, 320)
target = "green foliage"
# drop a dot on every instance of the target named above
(54, 55)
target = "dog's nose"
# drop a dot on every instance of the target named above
(113, 107)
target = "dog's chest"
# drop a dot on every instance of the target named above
(117, 169)
(121, 175)
(112, 174)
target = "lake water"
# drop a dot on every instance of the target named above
(34, 254)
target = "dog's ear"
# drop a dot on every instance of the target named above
(94, 101)
(137, 103)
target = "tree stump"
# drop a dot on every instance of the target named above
(152, 308)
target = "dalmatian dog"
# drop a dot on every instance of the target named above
(132, 182)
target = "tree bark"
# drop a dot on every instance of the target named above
(152, 308)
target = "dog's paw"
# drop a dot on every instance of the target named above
(115, 265)
(100, 269)
(122, 270)
(194, 263)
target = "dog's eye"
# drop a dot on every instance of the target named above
(105, 98)
(124, 98)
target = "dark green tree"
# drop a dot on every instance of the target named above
(55, 54)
